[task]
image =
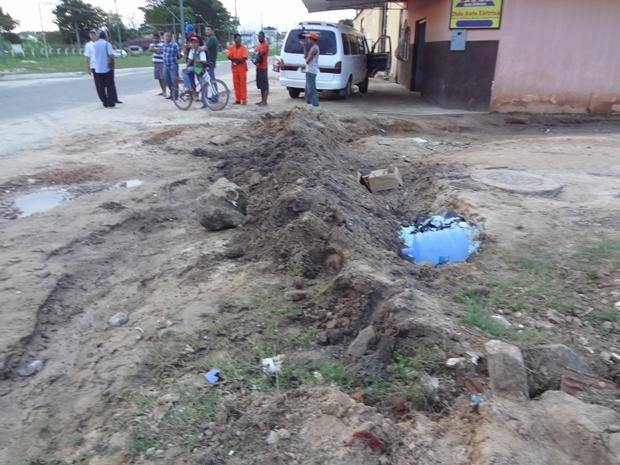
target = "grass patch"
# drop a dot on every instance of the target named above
(71, 63)
(538, 280)
(182, 424)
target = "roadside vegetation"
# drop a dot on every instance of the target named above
(539, 281)
(76, 63)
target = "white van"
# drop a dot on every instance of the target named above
(345, 59)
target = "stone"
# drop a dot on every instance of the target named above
(617, 305)
(255, 179)
(299, 282)
(283, 434)
(295, 296)
(502, 321)
(361, 343)
(220, 139)
(223, 206)
(546, 363)
(119, 319)
(335, 336)
(273, 438)
(455, 362)
(508, 377)
(28, 370)
(234, 251)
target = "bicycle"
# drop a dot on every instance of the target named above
(212, 93)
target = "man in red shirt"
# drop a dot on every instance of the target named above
(262, 66)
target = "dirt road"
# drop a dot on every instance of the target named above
(314, 266)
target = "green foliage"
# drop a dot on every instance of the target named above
(7, 23)
(76, 14)
(161, 14)
(339, 374)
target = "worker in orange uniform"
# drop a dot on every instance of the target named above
(238, 55)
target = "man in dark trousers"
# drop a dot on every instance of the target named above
(262, 68)
(103, 55)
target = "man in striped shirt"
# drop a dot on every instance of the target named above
(157, 49)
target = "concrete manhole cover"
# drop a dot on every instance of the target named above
(517, 181)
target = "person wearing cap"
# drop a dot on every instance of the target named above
(262, 68)
(157, 49)
(238, 55)
(103, 57)
(196, 64)
(311, 56)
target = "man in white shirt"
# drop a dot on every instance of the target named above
(103, 60)
(89, 53)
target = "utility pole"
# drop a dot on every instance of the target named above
(118, 27)
(182, 19)
(43, 33)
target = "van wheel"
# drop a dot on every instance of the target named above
(293, 92)
(363, 86)
(347, 91)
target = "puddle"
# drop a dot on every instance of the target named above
(129, 184)
(39, 202)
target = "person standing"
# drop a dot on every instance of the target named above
(157, 49)
(261, 60)
(171, 64)
(104, 64)
(312, 68)
(238, 55)
(212, 47)
(89, 53)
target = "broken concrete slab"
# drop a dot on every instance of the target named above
(546, 363)
(223, 206)
(506, 370)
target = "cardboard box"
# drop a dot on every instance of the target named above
(382, 180)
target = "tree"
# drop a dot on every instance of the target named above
(112, 21)
(75, 18)
(7, 24)
(346, 22)
(159, 12)
(160, 15)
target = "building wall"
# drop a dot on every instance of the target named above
(451, 79)
(559, 56)
(552, 55)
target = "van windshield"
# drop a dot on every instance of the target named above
(327, 42)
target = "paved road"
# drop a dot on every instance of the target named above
(20, 99)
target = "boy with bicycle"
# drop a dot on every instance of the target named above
(196, 65)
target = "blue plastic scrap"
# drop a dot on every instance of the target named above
(213, 376)
(440, 239)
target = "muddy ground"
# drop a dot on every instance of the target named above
(315, 263)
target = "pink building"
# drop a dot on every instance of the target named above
(510, 55)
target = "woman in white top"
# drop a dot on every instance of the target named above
(312, 68)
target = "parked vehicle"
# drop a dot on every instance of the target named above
(345, 59)
(119, 53)
(135, 49)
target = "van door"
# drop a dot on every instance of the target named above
(380, 57)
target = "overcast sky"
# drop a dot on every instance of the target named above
(279, 13)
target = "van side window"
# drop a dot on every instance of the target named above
(362, 45)
(355, 47)
(346, 44)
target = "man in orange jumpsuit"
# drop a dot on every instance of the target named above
(238, 55)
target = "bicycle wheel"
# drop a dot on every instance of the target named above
(216, 95)
(184, 98)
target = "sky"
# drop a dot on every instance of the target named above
(279, 13)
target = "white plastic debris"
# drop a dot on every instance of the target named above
(455, 362)
(420, 140)
(272, 366)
